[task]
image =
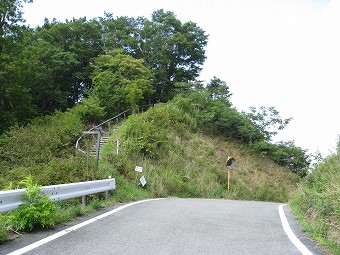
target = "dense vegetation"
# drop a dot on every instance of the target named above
(317, 203)
(182, 156)
(59, 79)
(53, 67)
(177, 145)
(116, 64)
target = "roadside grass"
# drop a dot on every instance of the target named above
(316, 204)
(3, 228)
(182, 163)
(178, 160)
(70, 209)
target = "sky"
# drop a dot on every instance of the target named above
(281, 53)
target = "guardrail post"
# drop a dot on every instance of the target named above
(107, 195)
(83, 200)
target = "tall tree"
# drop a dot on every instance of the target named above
(10, 19)
(267, 120)
(15, 97)
(219, 90)
(81, 39)
(120, 82)
(174, 51)
(47, 70)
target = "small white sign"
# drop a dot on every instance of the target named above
(139, 169)
(142, 181)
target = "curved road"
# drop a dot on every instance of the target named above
(174, 226)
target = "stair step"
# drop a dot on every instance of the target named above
(93, 149)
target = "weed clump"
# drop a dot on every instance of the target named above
(317, 203)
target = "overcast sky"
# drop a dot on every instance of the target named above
(282, 53)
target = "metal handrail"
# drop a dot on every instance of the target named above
(106, 121)
(101, 124)
(95, 127)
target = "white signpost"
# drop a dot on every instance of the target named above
(139, 169)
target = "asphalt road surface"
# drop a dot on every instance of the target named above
(174, 226)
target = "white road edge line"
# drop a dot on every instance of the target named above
(292, 237)
(68, 230)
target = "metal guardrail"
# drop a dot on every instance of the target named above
(11, 199)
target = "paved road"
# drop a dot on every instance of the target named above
(176, 226)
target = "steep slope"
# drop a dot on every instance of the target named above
(181, 153)
(180, 160)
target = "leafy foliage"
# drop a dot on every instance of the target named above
(45, 149)
(267, 120)
(120, 82)
(145, 140)
(172, 50)
(48, 68)
(89, 110)
(217, 116)
(3, 228)
(317, 203)
(179, 162)
(78, 41)
(147, 134)
(10, 17)
(30, 145)
(285, 154)
(218, 89)
(15, 97)
(39, 212)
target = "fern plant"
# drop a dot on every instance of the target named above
(37, 212)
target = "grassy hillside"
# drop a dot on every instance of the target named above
(178, 161)
(316, 203)
(181, 152)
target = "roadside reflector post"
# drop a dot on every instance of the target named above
(228, 180)
(230, 165)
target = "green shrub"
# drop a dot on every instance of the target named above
(37, 212)
(45, 150)
(142, 137)
(3, 228)
(317, 203)
(47, 138)
(89, 110)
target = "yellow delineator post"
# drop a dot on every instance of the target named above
(228, 180)
(230, 165)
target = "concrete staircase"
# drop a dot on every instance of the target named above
(103, 141)
(110, 125)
